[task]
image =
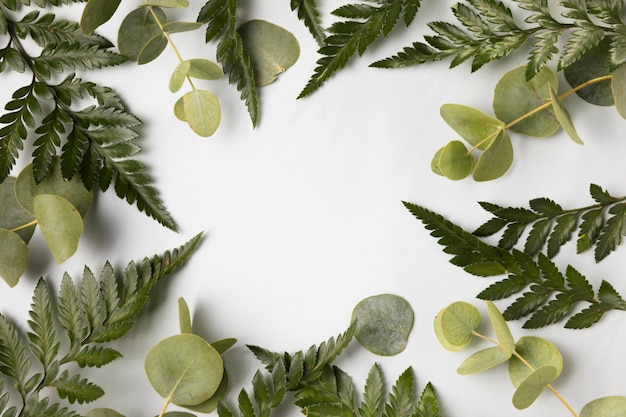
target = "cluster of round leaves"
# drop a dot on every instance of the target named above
(56, 205)
(533, 362)
(528, 107)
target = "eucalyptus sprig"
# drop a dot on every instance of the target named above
(533, 363)
(94, 312)
(97, 142)
(547, 294)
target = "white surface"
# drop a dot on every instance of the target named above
(303, 218)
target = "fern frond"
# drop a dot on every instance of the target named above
(76, 389)
(46, 30)
(220, 18)
(14, 362)
(43, 335)
(307, 11)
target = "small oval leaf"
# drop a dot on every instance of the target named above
(137, 29)
(455, 161)
(501, 328)
(531, 388)
(383, 323)
(202, 112)
(152, 49)
(179, 76)
(102, 412)
(13, 257)
(618, 87)
(184, 317)
(179, 110)
(483, 360)
(611, 406)
(455, 324)
(592, 64)
(96, 13)
(477, 127)
(169, 3)
(60, 223)
(537, 352)
(496, 160)
(204, 69)
(14, 215)
(564, 118)
(179, 27)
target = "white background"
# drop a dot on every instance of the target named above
(302, 217)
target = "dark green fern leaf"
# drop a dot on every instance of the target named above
(307, 11)
(76, 389)
(46, 30)
(43, 335)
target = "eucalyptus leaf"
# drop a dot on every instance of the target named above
(12, 213)
(204, 69)
(179, 110)
(184, 317)
(169, 3)
(179, 27)
(184, 369)
(531, 388)
(137, 29)
(592, 64)
(618, 87)
(96, 13)
(537, 352)
(272, 49)
(178, 414)
(152, 49)
(455, 161)
(564, 117)
(13, 257)
(477, 127)
(211, 404)
(515, 97)
(434, 163)
(496, 160)
(223, 345)
(483, 360)
(179, 76)
(61, 225)
(102, 412)
(501, 328)
(455, 324)
(611, 406)
(74, 191)
(383, 323)
(202, 112)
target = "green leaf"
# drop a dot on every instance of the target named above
(178, 27)
(138, 28)
(13, 257)
(612, 406)
(218, 396)
(179, 110)
(309, 13)
(60, 223)
(169, 3)
(179, 76)
(74, 191)
(76, 389)
(184, 369)
(455, 324)
(14, 216)
(537, 352)
(516, 97)
(383, 323)
(373, 393)
(478, 128)
(618, 88)
(184, 317)
(501, 328)
(483, 360)
(102, 412)
(272, 49)
(152, 49)
(496, 160)
(531, 388)
(593, 64)
(202, 112)
(454, 161)
(96, 13)
(204, 69)
(564, 118)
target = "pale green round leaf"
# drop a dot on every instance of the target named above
(179, 76)
(204, 69)
(537, 352)
(593, 64)
(102, 412)
(178, 27)
(455, 161)
(12, 213)
(383, 323)
(271, 48)
(618, 87)
(97, 12)
(74, 191)
(496, 160)
(179, 110)
(477, 127)
(501, 328)
(202, 112)
(531, 388)
(455, 324)
(515, 97)
(169, 3)
(434, 163)
(210, 405)
(483, 360)
(564, 118)
(137, 29)
(60, 223)
(178, 414)
(13, 257)
(611, 406)
(185, 369)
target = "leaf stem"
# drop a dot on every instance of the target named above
(24, 226)
(167, 403)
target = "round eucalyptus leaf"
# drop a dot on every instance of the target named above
(477, 127)
(618, 87)
(434, 163)
(383, 323)
(169, 3)
(178, 414)
(501, 328)
(496, 160)
(102, 412)
(178, 27)
(202, 112)
(271, 48)
(185, 369)
(152, 49)
(564, 118)
(179, 110)
(179, 76)
(210, 405)
(592, 64)
(531, 388)
(537, 352)
(483, 360)
(455, 324)
(137, 29)
(515, 97)
(60, 223)
(97, 12)
(204, 69)
(12, 213)
(223, 345)
(74, 191)
(455, 161)
(13, 257)
(611, 406)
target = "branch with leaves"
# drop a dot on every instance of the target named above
(547, 294)
(95, 312)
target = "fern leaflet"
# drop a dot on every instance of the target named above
(308, 12)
